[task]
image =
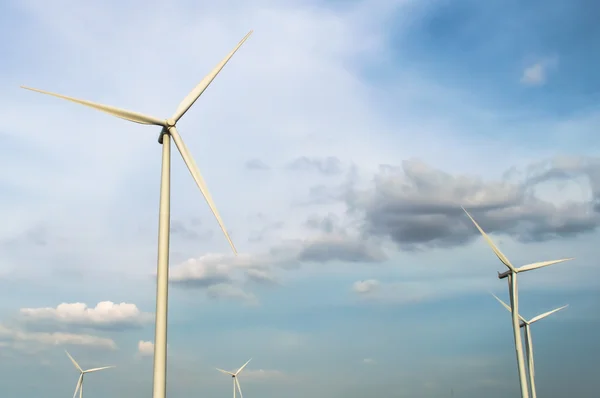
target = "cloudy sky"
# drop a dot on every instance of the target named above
(339, 144)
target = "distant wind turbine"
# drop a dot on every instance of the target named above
(79, 386)
(168, 131)
(525, 324)
(236, 383)
(511, 274)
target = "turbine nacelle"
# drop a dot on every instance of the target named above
(168, 127)
(525, 322)
(236, 383)
(79, 385)
(511, 268)
(531, 266)
(514, 295)
(162, 279)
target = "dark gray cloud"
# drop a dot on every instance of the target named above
(418, 206)
(338, 240)
(256, 164)
(327, 166)
(201, 281)
(340, 248)
(328, 224)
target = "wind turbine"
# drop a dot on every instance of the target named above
(168, 131)
(236, 383)
(511, 274)
(526, 324)
(79, 386)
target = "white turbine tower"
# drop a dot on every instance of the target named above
(233, 375)
(79, 386)
(168, 131)
(511, 274)
(526, 324)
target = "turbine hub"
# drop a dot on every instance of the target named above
(170, 123)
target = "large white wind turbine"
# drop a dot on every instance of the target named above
(168, 131)
(233, 375)
(526, 324)
(511, 274)
(79, 386)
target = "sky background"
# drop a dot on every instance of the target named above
(339, 144)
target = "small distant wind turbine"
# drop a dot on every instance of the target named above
(236, 383)
(168, 131)
(525, 324)
(79, 386)
(511, 274)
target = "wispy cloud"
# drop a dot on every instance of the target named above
(326, 166)
(22, 339)
(266, 375)
(256, 164)
(369, 361)
(537, 73)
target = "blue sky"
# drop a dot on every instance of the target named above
(339, 144)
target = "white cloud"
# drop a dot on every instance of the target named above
(220, 275)
(145, 348)
(104, 314)
(369, 361)
(16, 337)
(206, 270)
(366, 286)
(265, 375)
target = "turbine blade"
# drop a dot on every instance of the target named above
(111, 110)
(545, 314)
(237, 383)
(489, 241)
(507, 307)
(97, 369)
(78, 386)
(226, 372)
(74, 362)
(243, 366)
(193, 168)
(541, 264)
(528, 347)
(531, 361)
(189, 100)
